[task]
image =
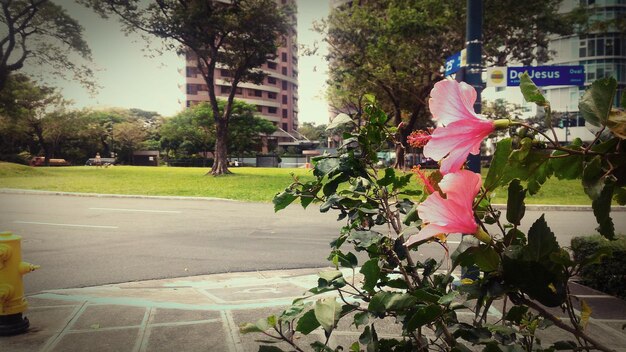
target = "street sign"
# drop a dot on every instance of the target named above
(541, 75)
(455, 62)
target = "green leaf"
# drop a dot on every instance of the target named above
(330, 202)
(423, 316)
(348, 260)
(330, 275)
(361, 318)
(617, 123)
(376, 305)
(327, 312)
(283, 199)
(531, 93)
(620, 195)
(562, 257)
(568, 167)
(541, 241)
(247, 328)
(399, 301)
(593, 181)
(364, 239)
(424, 296)
(565, 345)
(339, 120)
(307, 323)
(623, 102)
(371, 273)
(390, 175)
(515, 208)
(596, 103)
(602, 211)
(516, 314)
(448, 298)
(411, 216)
(486, 258)
(498, 163)
(325, 166)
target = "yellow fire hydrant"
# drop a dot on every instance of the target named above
(12, 300)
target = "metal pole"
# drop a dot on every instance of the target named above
(473, 71)
(473, 77)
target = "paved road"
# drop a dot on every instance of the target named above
(85, 241)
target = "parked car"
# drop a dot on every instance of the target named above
(104, 161)
(41, 161)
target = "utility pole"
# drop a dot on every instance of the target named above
(474, 68)
(472, 75)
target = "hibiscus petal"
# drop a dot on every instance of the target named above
(452, 101)
(461, 187)
(454, 142)
(426, 232)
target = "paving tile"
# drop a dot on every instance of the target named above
(613, 340)
(162, 315)
(33, 340)
(106, 316)
(255, 293)
(120, 340)
(42, 302)
(188, 338)
(53, 319)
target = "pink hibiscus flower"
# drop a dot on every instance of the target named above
(454, 214)
(452, 105)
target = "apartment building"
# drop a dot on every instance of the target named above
(276, 98)
(602, 53)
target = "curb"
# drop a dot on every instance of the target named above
(529, 207)
(104, 195)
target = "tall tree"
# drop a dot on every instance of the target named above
(38, 109)
(42, 32)
(237, 35)
(395, 49)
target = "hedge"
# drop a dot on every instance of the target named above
(609, 275)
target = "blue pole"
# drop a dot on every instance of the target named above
(473, 71)
(473, 76)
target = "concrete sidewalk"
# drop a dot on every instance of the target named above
(203, 313)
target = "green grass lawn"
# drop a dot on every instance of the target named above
(247, 184)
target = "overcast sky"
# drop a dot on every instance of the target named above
(129, 79)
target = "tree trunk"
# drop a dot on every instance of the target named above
(220, 161)
(42, 143)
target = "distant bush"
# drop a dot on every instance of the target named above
(15, 158)
(609, 275)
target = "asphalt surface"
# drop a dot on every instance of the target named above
(86, 241)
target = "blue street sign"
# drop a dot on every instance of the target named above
(455, 62)
(548, 75)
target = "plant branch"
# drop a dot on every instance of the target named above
(558, 322)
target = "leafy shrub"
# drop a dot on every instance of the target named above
(608, 273)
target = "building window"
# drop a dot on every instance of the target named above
(259, 108)
(188, 103)
(285, 113)
(239, 91)
(271, 95)
(271, 80)
(271, 65)
(192, 89)
(272, 110)
(285, 126)
(224, 89)
(192, 71)
(224, 73)
(284, 99)
(285, 85)
(284, 71)
(283, 57)
(258, 93)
